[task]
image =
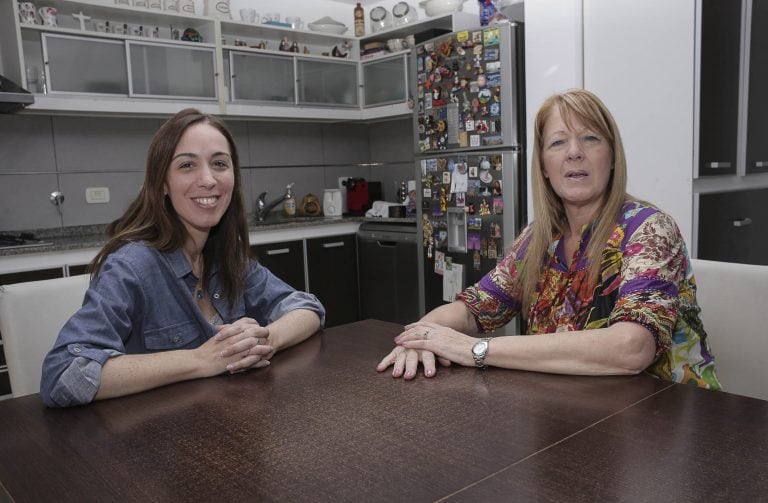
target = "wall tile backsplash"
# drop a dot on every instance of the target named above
(42, 154)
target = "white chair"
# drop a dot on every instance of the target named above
(31, 315)
(734, 308)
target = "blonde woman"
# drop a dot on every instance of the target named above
(603, 281)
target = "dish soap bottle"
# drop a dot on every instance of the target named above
(359, 20)
(289, 205)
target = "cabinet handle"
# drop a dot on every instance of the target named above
(718, 164)
(333, 245)
(387, 244)
(278, 251)
(761, 164)
(742, 222)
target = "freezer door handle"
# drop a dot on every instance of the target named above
(718, 164)
(278, 251)
(742, 222)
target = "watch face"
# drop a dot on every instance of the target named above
(479, 348)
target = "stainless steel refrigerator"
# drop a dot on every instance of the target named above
(469, 135)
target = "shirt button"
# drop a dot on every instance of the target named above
(76, 350)
(176, 339)
(215, 295)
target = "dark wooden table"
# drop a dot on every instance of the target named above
(321, 424)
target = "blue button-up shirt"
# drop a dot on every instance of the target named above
(142, 302)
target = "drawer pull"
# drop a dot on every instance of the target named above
(333, 245)
(761, 164)
(742, 222)
(718, 164)
(278, 251)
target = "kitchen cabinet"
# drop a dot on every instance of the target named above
(385, 80)
(733, 77)
(263, 78)
(20, 277)
(172, 71)
(332, 272)
(326, 83)
(733, 227)
(757, 131)
(68, 63)
(720, 51)
(285, 260)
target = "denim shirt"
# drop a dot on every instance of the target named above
(142, 302)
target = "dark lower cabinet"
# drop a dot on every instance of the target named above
(285, 260)
(332, 268)
(21, 277)
(733, 227)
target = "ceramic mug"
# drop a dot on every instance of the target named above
(27, 12)
(248, 15)
(48, 15)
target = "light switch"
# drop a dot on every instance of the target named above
(97, 195)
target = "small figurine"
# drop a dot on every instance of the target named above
(294, 47)
(341, 50)
(285, 45)
(427, 226)
(306, 50)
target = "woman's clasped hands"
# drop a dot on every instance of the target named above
(241, 345)
(428, 343)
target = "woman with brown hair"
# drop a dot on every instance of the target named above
(174, 294)
(602, 279)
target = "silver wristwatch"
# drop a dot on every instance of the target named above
(479, 350)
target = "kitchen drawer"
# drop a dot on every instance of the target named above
(285, 260)
(733, 227)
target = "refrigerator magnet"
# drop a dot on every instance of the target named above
(496, 187)
(446, 177)
(474, 140)
(485, 209)
(473, 171)
(491, 36)
(498, 206)
(485, 176)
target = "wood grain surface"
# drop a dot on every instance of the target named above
(320, 424)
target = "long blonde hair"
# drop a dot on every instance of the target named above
(549, 213)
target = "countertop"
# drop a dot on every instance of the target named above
(92, 236)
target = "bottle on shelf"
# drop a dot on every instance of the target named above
(289, 205)
(359, 20)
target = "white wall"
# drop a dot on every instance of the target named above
(638, 57)
(553, 57)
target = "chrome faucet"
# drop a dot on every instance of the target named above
(263, 208)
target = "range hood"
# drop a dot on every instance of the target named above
(13, 97)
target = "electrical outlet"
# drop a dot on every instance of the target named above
(97, 195)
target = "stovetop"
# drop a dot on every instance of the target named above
(21, 240)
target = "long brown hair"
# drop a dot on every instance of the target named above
(151, 217)
(549, 212)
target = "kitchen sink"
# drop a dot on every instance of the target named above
(281, 220)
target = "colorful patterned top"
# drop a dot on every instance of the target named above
(645, 278)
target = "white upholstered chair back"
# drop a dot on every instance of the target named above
(734, 308)
(31, 315)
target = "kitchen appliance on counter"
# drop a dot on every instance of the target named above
(388, 271)
(332, 203)
(360, 195)
(469, 136)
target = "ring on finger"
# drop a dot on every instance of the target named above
(425, 335)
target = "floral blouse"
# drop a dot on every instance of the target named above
(645, 278)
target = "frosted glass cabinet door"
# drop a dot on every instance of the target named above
(171, 71)
(71, 65)
(385, 82)
(327, 83)
(260, 77)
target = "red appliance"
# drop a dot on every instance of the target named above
(357, 195)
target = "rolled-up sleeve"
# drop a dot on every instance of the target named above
(268, 298)
(496, 298)
(71, 372)
(653, 264)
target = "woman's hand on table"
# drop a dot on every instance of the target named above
(446, 343)
(405, 360)
(241, 345)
